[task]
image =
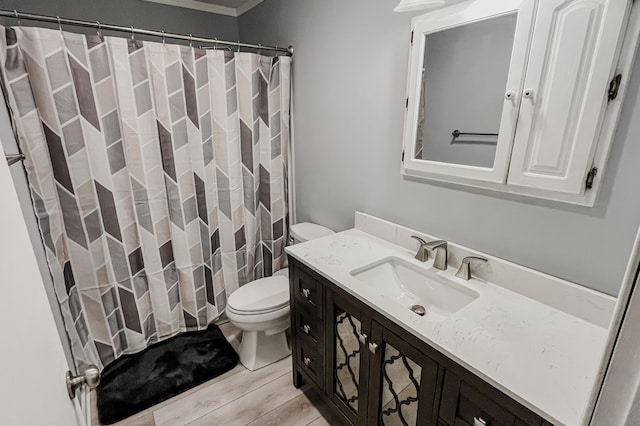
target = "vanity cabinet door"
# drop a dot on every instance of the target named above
(403, 381)
(571, 64)
(347, 333)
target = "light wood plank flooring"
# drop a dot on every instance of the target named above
(238, 397)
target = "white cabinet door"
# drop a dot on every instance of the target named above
(459, 16)
(571, 63)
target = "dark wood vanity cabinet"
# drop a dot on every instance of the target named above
(373, 372)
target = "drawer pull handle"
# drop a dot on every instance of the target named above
(306, 293)
(479, 421)
(363, 338)
(307, 361)
(307, 329)
(373, 348)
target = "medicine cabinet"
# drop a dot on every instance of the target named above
(519, 96)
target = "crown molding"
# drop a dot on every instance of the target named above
(211, 8)
(248, 5)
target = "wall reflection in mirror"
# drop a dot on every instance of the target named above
(464, 80)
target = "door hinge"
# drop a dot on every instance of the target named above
(402, 156)
(412, 38)
(406, 105)
(591, 177)
(614, 87)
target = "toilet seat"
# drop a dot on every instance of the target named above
(262, 296)
(259, 321)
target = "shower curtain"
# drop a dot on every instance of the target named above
(158, 175)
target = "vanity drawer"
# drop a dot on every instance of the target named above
(309, 362)
(472, 402)
(308, 327)
(308, 291)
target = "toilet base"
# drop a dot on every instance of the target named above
(258, 350)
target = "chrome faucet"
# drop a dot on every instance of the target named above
(440, 248)
(465, 269)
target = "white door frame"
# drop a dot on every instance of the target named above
(616, 396)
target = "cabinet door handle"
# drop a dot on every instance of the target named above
(510, 95)
(363, 338)
(373, 347)
(479, 421)
(307, 362)
(306, 328)
(528, 93)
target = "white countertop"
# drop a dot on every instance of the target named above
(542, 357)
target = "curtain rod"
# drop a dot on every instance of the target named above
(288, 51)
(14, 158)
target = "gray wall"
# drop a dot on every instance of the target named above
(350, 71)
(140, 14)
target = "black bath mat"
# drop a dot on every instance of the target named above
(136, 382)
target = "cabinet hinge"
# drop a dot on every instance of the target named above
(406, 104)
(614, 87)
(412, 38)
(402, 156)
(591, 177)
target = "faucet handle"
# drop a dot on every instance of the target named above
(422, 255)
(420, 240)
(464, 271)
(436, 244)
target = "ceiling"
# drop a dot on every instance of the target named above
(222, 7)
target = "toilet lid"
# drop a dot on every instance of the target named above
(308, 231)
(263, 295)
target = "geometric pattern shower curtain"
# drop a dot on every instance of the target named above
(158, 175)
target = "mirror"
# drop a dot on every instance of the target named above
(465, 72)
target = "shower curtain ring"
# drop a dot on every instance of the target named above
(238, 46)
(59, 23)
(215, 43)
(190, 40)
(132, 34)
(15, 12)
(99, 29)
(163, 37)
(259, 49)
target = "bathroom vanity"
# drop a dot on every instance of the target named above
(481, 355)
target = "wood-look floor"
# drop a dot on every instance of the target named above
(239, 397)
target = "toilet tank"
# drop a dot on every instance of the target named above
(301, 232)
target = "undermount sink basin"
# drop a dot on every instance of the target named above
(411, 286)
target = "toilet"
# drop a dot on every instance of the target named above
(261, 309)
